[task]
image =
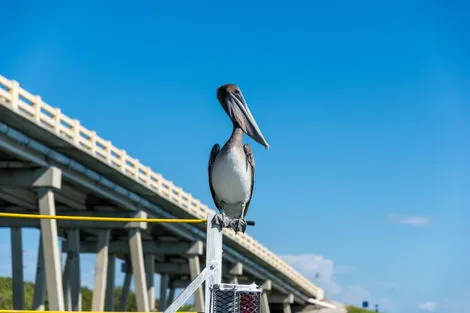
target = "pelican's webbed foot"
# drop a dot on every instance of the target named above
(221, 220)
(239, 225)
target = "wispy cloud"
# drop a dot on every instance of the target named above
(323, 272)
(408, 220)
(429, 306)
(318, 268)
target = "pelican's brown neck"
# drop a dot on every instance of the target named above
(236, 139)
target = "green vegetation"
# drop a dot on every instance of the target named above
(353, 309)
(6, 297)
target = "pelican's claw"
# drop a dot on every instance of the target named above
(221, 220)
(239, 225)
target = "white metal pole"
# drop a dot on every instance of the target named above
(212, 273)
(213, 259)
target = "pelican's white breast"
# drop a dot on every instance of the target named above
(231, 176)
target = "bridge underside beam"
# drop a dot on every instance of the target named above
(24, 198)
(233, 272)
(276, 298)
(24, 177)
(149, 247)
(181, 268)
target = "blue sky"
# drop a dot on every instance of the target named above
(365, 106)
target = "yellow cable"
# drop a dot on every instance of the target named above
(101, 219)
(34, 311)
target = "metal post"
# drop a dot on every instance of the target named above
(212, 273)
(213, 259)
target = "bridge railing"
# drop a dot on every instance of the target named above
(33, 108)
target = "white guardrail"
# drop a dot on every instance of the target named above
(36, 110)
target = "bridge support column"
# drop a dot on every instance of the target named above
(17, 268)
(284, 300)
(233, 272)
(125, 288)
(264, 303)
(40, 282)
(73, 239)
(138, 268)
(50, 242)
(101, 270)
(171, 295)
(150, 270)
(194, 271)
(66, 283)
(264, 297)
(164, 283)
(110, 284)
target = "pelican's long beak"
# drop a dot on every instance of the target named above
(238, 111)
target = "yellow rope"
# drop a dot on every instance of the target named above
(34, 311)
(101, 219)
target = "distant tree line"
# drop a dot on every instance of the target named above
(6, 297)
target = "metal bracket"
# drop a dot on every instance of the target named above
(188, 291)
(211, 274)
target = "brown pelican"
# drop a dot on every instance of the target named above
(232, 168)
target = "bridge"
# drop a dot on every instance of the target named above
(50, 164)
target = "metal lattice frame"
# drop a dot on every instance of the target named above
(233, 298)
(219, 298)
